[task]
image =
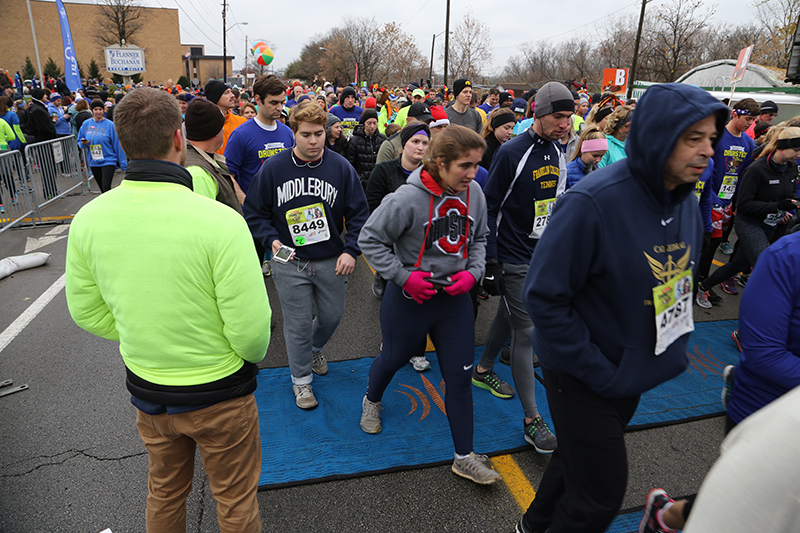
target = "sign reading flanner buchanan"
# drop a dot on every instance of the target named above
(125, 60)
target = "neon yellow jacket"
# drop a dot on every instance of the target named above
(173, 276)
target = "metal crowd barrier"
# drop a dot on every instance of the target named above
(16, 194)
(49, 171)
(55, 168)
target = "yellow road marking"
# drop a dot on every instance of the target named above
(43, 219)
(518, 485)
(718, 263)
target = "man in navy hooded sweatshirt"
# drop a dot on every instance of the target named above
(609, 291)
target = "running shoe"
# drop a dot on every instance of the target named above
(420, 363)
(536, 363)
(476, 467)
(728, 376)
(319, 366)
(538, 435)
(2, 209)
(651, 522)
(714, 298)
(14, 200)
(266, 269)
(491, 382)
(736, 339)
(729, 286)
(741, 279)
(304, 396)
(371, 416)
(505, 356)
(702, 299)
(725, 248)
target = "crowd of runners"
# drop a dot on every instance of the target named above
(452, 196)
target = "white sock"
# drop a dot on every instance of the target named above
(461, 456)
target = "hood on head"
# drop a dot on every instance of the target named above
(660, 118)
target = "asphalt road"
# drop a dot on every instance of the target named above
(72, 460)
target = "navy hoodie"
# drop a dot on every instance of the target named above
(611, 238)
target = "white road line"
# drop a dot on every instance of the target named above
(30, 313)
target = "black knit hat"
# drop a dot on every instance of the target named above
(368, 114)
(347, 91)
(97, 103)
(411, 130)
(203, 120)
(460, 84)
(214, 90)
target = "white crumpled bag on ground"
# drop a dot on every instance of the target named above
(9, 265)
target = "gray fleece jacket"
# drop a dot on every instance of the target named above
(422, 227)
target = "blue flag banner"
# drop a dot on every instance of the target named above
(71, 76)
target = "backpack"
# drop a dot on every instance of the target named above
(25, 123)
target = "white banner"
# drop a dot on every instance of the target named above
(127, 60)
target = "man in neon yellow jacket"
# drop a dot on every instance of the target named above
(173, 277)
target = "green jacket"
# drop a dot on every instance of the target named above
(172, 276)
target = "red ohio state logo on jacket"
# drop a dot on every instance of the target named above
(448, 227)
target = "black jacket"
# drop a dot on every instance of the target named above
(492, 144)
(763, 185)
(386, 178)
(363, 151)
(40, 122)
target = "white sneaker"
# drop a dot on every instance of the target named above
(304, 396)
(477, 468)
(420, 363)
(371, 416)
(319, 366)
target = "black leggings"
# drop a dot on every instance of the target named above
(103, 176)
(404, 325)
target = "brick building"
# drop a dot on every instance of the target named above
(159, 36)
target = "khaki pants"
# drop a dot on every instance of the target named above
(230, 445)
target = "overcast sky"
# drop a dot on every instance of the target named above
(290, 25)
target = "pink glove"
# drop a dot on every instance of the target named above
(462, 283)
(419, 289)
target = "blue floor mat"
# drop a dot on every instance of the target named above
(327, 443)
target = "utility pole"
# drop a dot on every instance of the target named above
(430, 71)
(244, 84)
(224, 45)
(632, 77)
(446, 41)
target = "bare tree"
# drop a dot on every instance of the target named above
(675, 41)
(401, 58)
(778, 21)
(118, 20)
(356, 42)
(308, 65)
(470, 48)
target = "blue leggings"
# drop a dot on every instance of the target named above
(450, 322)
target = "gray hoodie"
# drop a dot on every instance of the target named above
(422, 227)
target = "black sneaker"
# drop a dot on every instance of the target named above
(538, 435)
(714, 298)
(491, 382)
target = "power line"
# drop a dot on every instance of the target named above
(593, 22)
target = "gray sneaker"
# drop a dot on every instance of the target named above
(538, 435)
(476, 468)
(371, 416)
(320, 365)
(304, 396)
(492, 382)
